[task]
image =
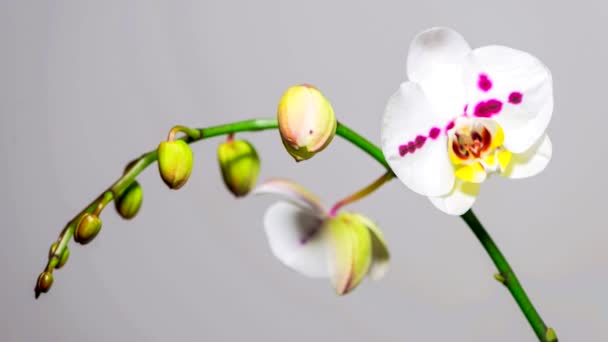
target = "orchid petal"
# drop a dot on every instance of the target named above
(408, 118)
(295, 238)
(531, 162)
(350, 251)
(459, 200)
(435, 62)
(380, 253)
(293, 193)
(520, 83)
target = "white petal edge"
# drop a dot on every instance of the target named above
(289, 231)
(427, 171)
(512, 70)
(291, 192)
(531, 162)
(435, 61)
(459, 200)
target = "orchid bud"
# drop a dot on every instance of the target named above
(88, 227)
(307, 122)
(351, 251)
(129, 202)
(63, 258)
(174, 162)
(44, 283)
(240, 166)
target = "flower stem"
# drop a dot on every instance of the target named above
(362, 193)
(191, 135)
(506, 276)
(509, 279)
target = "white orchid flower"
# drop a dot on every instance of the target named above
(465, 114)
(304, 237)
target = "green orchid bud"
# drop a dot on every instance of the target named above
(64, 256)
(129, 202)
(307, 122)
(174, 162)
(351, 251)
(550, 335)
(240, 166)
(87, 229)
(44, 283)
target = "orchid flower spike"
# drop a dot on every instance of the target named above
(344, 248)
(465, 114)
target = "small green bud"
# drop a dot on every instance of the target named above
(240, 166)
(499, 278)
(129, 202)
(307, 122)
(64, 256)
(174, 162)
(88, 227)
(551, 335)
(44, 283)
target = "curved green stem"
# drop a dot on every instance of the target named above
(509, 279)
(388, 175)
(507, 276)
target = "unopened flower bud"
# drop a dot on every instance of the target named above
(44, 283)
(174, 162)
(307, 122)
(88, 227)
(63, 258)
(129, 202)
(240, 166)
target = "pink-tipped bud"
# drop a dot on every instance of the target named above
(307, 122)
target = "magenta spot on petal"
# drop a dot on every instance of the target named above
(449, 126)
(411, 147)
(402, 150)
(434, 132)
(310, 132)
(484, 82)
(488, 108)
(420, 141)
(465, 108)
(515, 97)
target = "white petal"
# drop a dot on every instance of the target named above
(293, 193)
(296, 240)
(435, 62)
(511, 71)
(531, 162)
(459, 200)
(427, 170)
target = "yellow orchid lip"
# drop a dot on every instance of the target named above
(475, 148)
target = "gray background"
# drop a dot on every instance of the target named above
(87, 85)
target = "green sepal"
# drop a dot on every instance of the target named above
(380, 253)
(350, 251)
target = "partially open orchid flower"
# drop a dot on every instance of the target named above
(344, 248)
(465, 114)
